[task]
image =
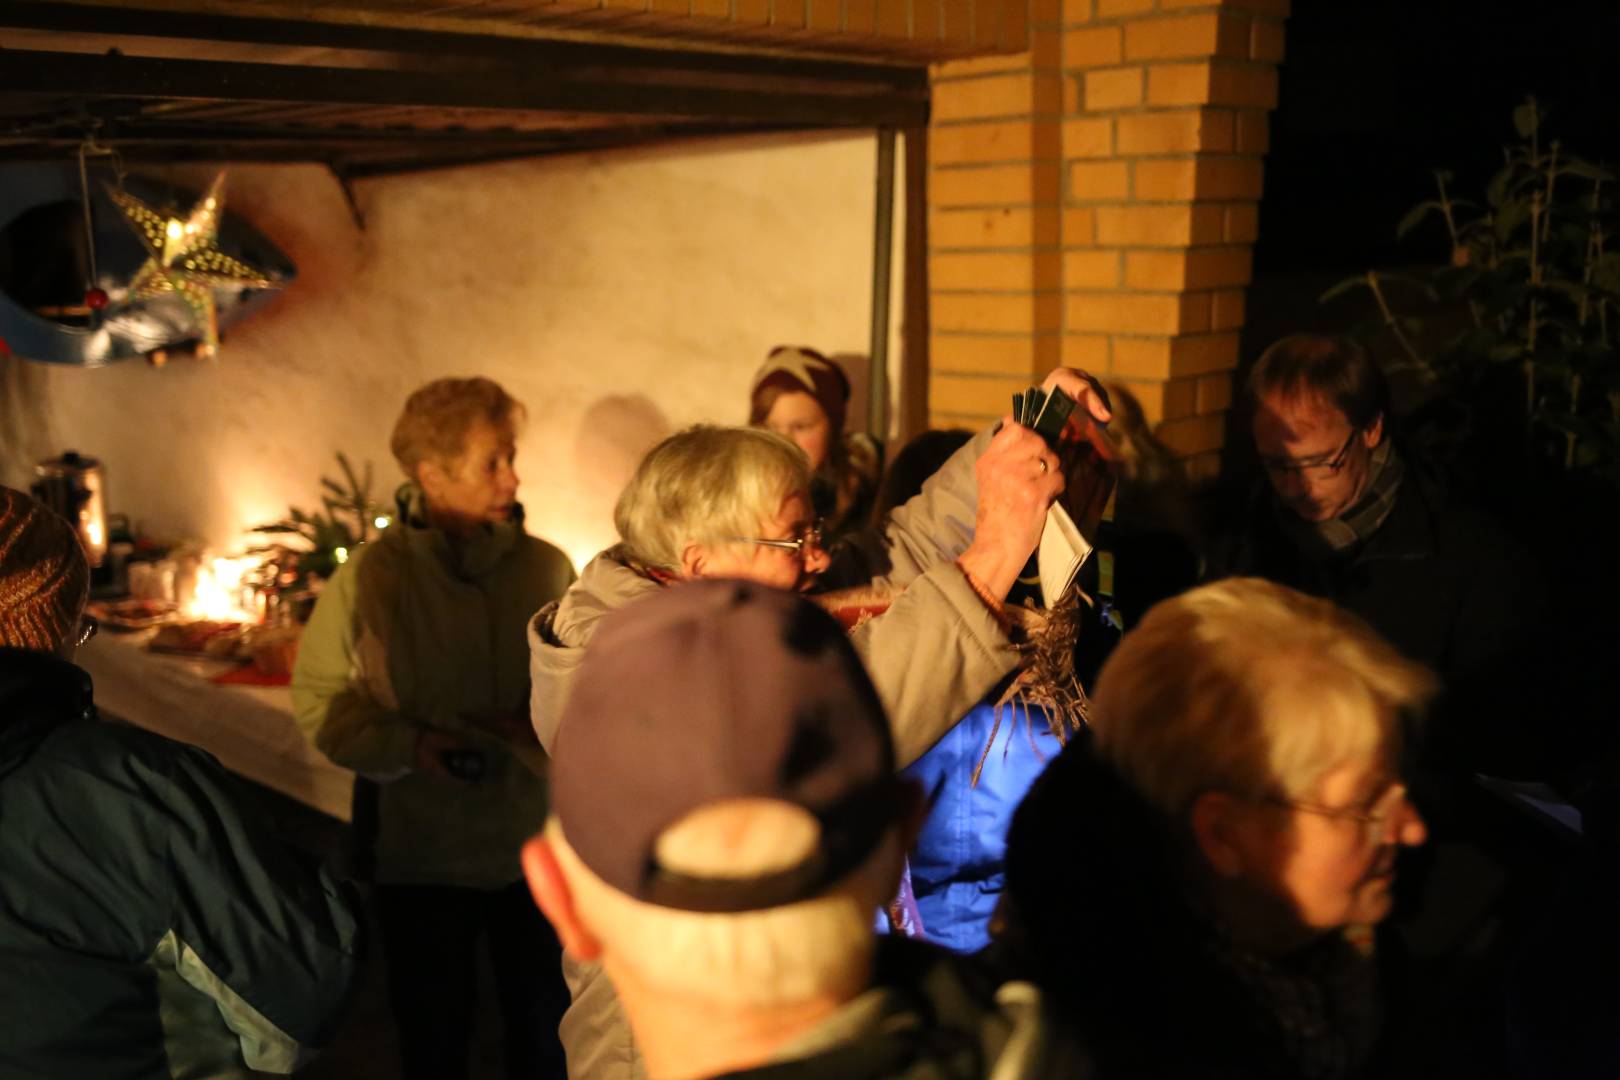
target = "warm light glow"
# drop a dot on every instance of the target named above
(174, 229)
(340, 555)
(382, 522)
(580, 546)
(92, 532)
(220, 594)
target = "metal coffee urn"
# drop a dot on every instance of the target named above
(72, 486)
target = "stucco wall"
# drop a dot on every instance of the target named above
(620, 296)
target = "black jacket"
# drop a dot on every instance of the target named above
(1442, 583)
(1098, 918)
(148, 928)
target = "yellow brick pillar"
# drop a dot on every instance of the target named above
(994, 197)
(1095, 199)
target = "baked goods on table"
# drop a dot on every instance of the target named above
(133, 614)
(199, 637)
(273, 649)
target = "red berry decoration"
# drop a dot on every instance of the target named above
(96, 299)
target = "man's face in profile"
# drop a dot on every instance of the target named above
(1316, 460)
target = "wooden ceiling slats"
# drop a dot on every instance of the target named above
(398, 94)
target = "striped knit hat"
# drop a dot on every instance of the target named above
(44, 576)
(800, 368)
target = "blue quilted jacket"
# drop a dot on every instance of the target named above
(957, 869)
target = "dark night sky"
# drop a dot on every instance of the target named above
(1375, 93)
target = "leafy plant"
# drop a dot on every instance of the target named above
(349, 520)
(1532, 287)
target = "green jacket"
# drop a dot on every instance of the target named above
(413, 633)
(149, 927)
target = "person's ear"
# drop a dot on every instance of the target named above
(1374, 433)
(431, 477)
(551, 892)
(694, 559)
(1218, 825)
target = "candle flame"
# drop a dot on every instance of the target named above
(220, 594)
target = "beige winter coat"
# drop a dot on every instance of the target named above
(932, 656)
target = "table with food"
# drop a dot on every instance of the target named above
(215, 683)
(200, 646)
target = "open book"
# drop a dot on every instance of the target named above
(1063, 551)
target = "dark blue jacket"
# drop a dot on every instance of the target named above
(149, 928)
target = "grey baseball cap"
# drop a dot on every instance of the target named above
(717, 690)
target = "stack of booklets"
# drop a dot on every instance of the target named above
(1090, 463)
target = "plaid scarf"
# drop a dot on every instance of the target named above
(1340, 534)
(1322, 1002)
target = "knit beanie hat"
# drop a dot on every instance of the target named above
(44, 576)
(802, 369)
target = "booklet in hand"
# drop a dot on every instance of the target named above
(1090, 462)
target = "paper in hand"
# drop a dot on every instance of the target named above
(1063, 551)
(1088, 459)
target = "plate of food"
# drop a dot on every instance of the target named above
(133, 614)
(208, 638)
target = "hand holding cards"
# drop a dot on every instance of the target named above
(1090, 465)
(1045, 414)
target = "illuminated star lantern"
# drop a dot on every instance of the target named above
(183, 258)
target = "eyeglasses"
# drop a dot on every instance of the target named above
(809, 535)
(1328, 467)
(87, 630)
(1374, 816)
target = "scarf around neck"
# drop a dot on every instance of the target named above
(1339, 534)
(471, 556)
(1322, 1002)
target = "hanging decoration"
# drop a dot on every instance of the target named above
(184, 258)
(94, 273)
(95, 297)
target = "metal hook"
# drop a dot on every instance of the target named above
(89, 223)
(89, 146)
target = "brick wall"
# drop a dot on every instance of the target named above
(1094, 201)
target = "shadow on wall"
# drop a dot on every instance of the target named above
(25, 428)
(858, 366)
(614, 434)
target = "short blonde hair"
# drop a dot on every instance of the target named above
(706, 485)
(1248, 687)
(757, 959)
(438, 416)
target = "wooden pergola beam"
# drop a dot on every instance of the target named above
(338, 27)
(548, 90)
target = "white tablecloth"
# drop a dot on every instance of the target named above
(249, 728)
